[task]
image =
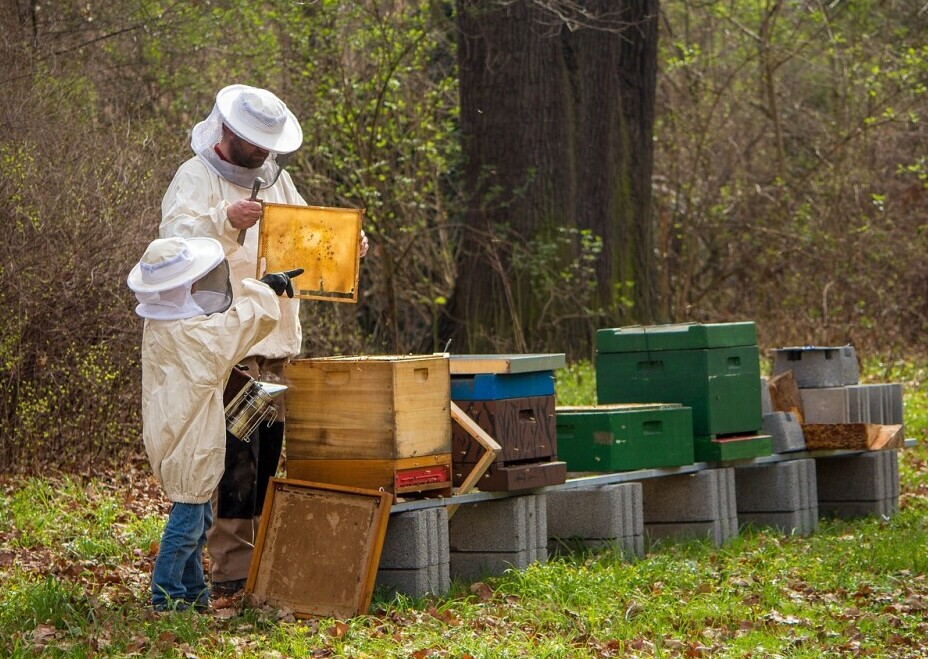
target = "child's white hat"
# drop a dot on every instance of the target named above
(173, 262)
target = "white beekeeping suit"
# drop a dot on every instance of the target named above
(195, 332)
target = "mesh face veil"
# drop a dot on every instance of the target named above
(213, 291)
(207, 134)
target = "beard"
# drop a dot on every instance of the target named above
(247, 155)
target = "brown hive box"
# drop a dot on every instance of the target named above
(371, 422)
(526, 431)
(511, 398)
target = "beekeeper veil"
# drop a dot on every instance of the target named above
(181, 278)
(258, 117)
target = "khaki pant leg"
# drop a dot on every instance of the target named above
(230, 543)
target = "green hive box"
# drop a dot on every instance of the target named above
(624, 437)
(734, 448)
(712, 368)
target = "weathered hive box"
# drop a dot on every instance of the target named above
(712, 368)
(511, 397)
(625, 437)
(371, 422)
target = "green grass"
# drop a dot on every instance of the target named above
(76, 556)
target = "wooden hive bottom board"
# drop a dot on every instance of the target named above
(710, 449)
(428, 474)
(511, 478)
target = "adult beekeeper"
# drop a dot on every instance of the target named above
(194, 334)
(237, 144)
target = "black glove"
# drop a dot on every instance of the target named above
(280, 281)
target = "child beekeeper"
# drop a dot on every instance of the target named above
(194, 334)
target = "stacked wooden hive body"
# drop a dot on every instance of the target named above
(511, 397)
(714, 369)
(381, 422)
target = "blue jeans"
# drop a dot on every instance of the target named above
(177, 580)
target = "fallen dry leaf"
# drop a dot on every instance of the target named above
(481, 590)
(338, 630)
(43, 634)
(166, 640)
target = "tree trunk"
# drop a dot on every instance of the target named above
(556, 121)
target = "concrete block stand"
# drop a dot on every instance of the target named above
(488, 538)
(607, 516)
(858, 485)
(785, 432)
(415, 558)
(697, 505)
(814, 366)
(782, 495)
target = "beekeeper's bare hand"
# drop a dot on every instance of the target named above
(244, 214)
(364, 244)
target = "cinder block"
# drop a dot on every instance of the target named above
(892, 404)
(510, 524)
(415, 555)
(537, 531)
(812, 515)
(785, 432)
(702, 504)
(700, 496)
(492, 536)
(815, 367)
(858, 403)
(826, 405)
(776, 487)
(597, 513)
(810, 491)
(729, 499)
(875, 393)
(781, 495)
(591, 518)
(416, 539)
(870, 476)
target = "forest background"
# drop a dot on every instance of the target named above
(788, 182)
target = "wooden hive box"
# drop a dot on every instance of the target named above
(625, 437)
(380, 422)
(713, 368)
(511, 397)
